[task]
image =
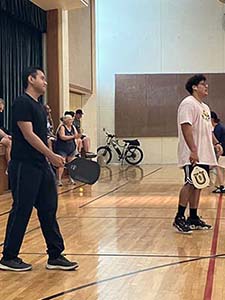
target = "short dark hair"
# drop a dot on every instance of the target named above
(79, 111)
(214, 117)
(194, 80)
(30, 71)
(69, 112)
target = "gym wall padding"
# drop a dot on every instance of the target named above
(146, 104)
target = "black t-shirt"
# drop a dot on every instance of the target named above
(25, 108)
(76, 123)
(219, 132)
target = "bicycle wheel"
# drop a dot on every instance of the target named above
(105, 152)
(133, 155)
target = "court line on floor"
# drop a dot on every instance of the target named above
(65, 191)
(115, 189)
(120, 255)
(140, 207)
(211, 268)
(82, 184)
(76, 187)
(126, 217)
(29, 231)
(5, 213)
(129, 274)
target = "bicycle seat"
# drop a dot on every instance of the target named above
(132, 142)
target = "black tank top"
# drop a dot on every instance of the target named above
(66, 146)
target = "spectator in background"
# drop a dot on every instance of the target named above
(65, 144)
(5, 137)
(219, 132)
(79, 142)
(50, 123)
(85, 139)
(50, 126)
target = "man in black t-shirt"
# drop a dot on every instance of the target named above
(32, 179)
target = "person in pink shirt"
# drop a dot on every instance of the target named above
(196, 144)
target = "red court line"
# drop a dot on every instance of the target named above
(212, 262)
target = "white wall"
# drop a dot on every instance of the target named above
(154, 36)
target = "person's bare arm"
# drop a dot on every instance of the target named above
(217, 145)
(27, 131)
(63, 136)
(77, 135)
(188, 136)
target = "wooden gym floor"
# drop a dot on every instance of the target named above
(120, 232)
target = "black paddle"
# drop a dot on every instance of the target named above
(83, 170)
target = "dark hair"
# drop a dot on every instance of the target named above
(214, 117)
(79, 111)
(30, 71)
(194, 80)
(69, 112)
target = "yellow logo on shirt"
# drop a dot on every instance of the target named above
(205, 115)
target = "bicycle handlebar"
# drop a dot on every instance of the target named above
(108, 134)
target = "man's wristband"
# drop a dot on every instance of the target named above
(218, 143)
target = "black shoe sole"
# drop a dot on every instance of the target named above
(180, 231)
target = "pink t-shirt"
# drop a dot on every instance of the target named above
(196, 114)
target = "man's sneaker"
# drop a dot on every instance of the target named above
(219, 190)
(15, 264)
(198, 224)
(181, 225)
(61, 263)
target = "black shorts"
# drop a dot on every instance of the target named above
(66, 154)
(188, 169)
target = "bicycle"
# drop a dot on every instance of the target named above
(129, 151)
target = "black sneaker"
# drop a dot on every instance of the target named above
(181, 225)
(219, 190)
(15, 264)
(198, 224)
(61, 263)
